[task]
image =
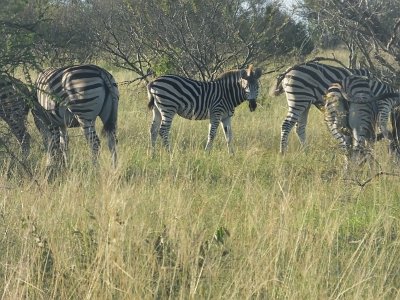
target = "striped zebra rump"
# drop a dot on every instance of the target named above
(304, 86)
(198, 100)
(14, 108)
(70, 91)
(75, 96)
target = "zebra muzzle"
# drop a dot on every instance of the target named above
(252, 105)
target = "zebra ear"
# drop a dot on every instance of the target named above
(257, 73)
(243, 74)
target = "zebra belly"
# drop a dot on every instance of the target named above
(193, 115)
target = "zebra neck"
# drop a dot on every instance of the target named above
(231, 92)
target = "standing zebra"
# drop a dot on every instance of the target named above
(71, 97)
(14, 110)
(195, 100)
(304, 85)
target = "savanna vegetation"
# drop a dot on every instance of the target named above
(190, 224)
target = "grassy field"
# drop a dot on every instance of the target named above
(256, 225)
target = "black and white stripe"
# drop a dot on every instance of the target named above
(196, 100)
(388, 99)
(75, 96)
(14, 97)
(372, 102)
(337, 116)
(352, 114)
(304, 85)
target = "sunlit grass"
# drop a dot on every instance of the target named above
(191, 224)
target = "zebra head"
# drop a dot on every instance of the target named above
(249, 82)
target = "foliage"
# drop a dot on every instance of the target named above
(194, 38)
(370, 29)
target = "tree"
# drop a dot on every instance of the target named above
(18, 22)
(190, 37)
(370, 29)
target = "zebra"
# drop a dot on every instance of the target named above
(14, 109)
(356, 108)
(352, 118)
(386, 96)
(304, 85)
(360, 89)
(75, 96)
(198, 100)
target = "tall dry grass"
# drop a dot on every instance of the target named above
(191, 225)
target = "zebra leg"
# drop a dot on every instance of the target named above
(394, 144)
(287, 126)
(165, 128)
(301, 127)
(64, 140)
(92, 138)
(343, 139)
(154, 128)
(211, 133)
(18, 129)
(226, 123)
(112, 146)
(53, 149)
(383, 119)
(24, 139)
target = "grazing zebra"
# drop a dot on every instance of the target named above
(357, 89)
(386, 96)
(356, 108)
(352, 114)
(75, 96)
(195, 100)
(14, 109)
(304, 85)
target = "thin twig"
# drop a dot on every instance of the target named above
(127, 82)
(379, 174)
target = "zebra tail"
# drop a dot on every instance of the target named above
(277, 89)
(150, 105)
(110, 126)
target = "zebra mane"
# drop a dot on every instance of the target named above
(229, 74)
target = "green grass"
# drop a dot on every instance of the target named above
(255, 225)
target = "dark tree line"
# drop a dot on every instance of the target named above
(195, 37)
(191, 37)
(369, 28)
